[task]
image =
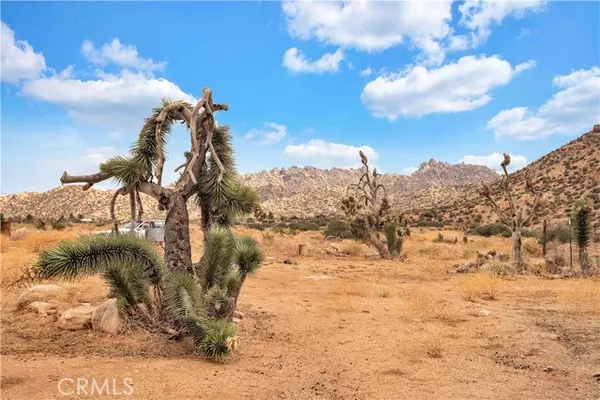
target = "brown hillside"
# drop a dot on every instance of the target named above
(565, 175)
(284, 191)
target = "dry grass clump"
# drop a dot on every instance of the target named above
(445, 251)
(343, 304)
(499, 268)
(434, 344)
(484, 286)
(384, 291)
(531, 247)
(347, 287)
(268, 237)
(424, 305)
(352, 249)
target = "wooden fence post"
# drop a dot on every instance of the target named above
(544, 239)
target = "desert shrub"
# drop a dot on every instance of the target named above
(339, 228)
(353, 249)
(491, 230)
(429, 223)
(499, 268)
(59, 224)
(531, 233)
(393, 240)
(305, 226)
(559, 233)
(279, 230)
(441, 239)
(532, 247)
(40, 224)
(257, 226)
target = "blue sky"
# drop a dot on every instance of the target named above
(307, 83)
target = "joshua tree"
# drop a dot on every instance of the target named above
(514, 217)
(199, 298)
(368, 208)
(581, 221)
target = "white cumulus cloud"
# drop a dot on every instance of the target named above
(272, 133)
(493, 161)
(366, 72)
(110, 100)
(18, 60)
(574, 109)
(120, 54)
(323, 154)
(367, 25)
(295, 61)
(461, 86)
(479, 15)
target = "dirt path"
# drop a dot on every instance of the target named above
(336, 328)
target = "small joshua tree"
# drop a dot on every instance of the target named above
(368, 208)
(514, 217)
(197, 298)
(581, 223)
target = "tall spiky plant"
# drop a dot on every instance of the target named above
(514, 217)
(581, 223)
(200, 297)
(368, 208)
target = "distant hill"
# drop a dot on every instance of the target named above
(565, 175)
(291, 191)
(436, 191)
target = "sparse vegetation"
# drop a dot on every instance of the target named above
(370, 214)
(515, 219)
(199, 298)
(582, 233)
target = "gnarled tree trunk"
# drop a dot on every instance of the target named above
(178, 252)
(517, 249)
(584, 261)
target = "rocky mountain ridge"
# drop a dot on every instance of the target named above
(300, 191)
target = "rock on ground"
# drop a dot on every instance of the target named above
(76, 318)
(42, 308)
(106, 317)
(42, 293)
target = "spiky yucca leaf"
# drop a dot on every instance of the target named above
(247, 255)
(581, 221)
(233, 281)
(94, 254)
(220, 340)
(218, 303)
(145, 150)
(218, 255)
(242, 201)
(129, 285)
(183, 296)
(209, 184)
(125, 170)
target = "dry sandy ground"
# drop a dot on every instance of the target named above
(328, 327)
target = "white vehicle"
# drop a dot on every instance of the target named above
(153, 230)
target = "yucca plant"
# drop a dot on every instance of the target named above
(515, 217)
(581, 223)
(367, 207)
(199, 298)
(136, 276)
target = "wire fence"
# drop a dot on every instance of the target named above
(558, 243)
